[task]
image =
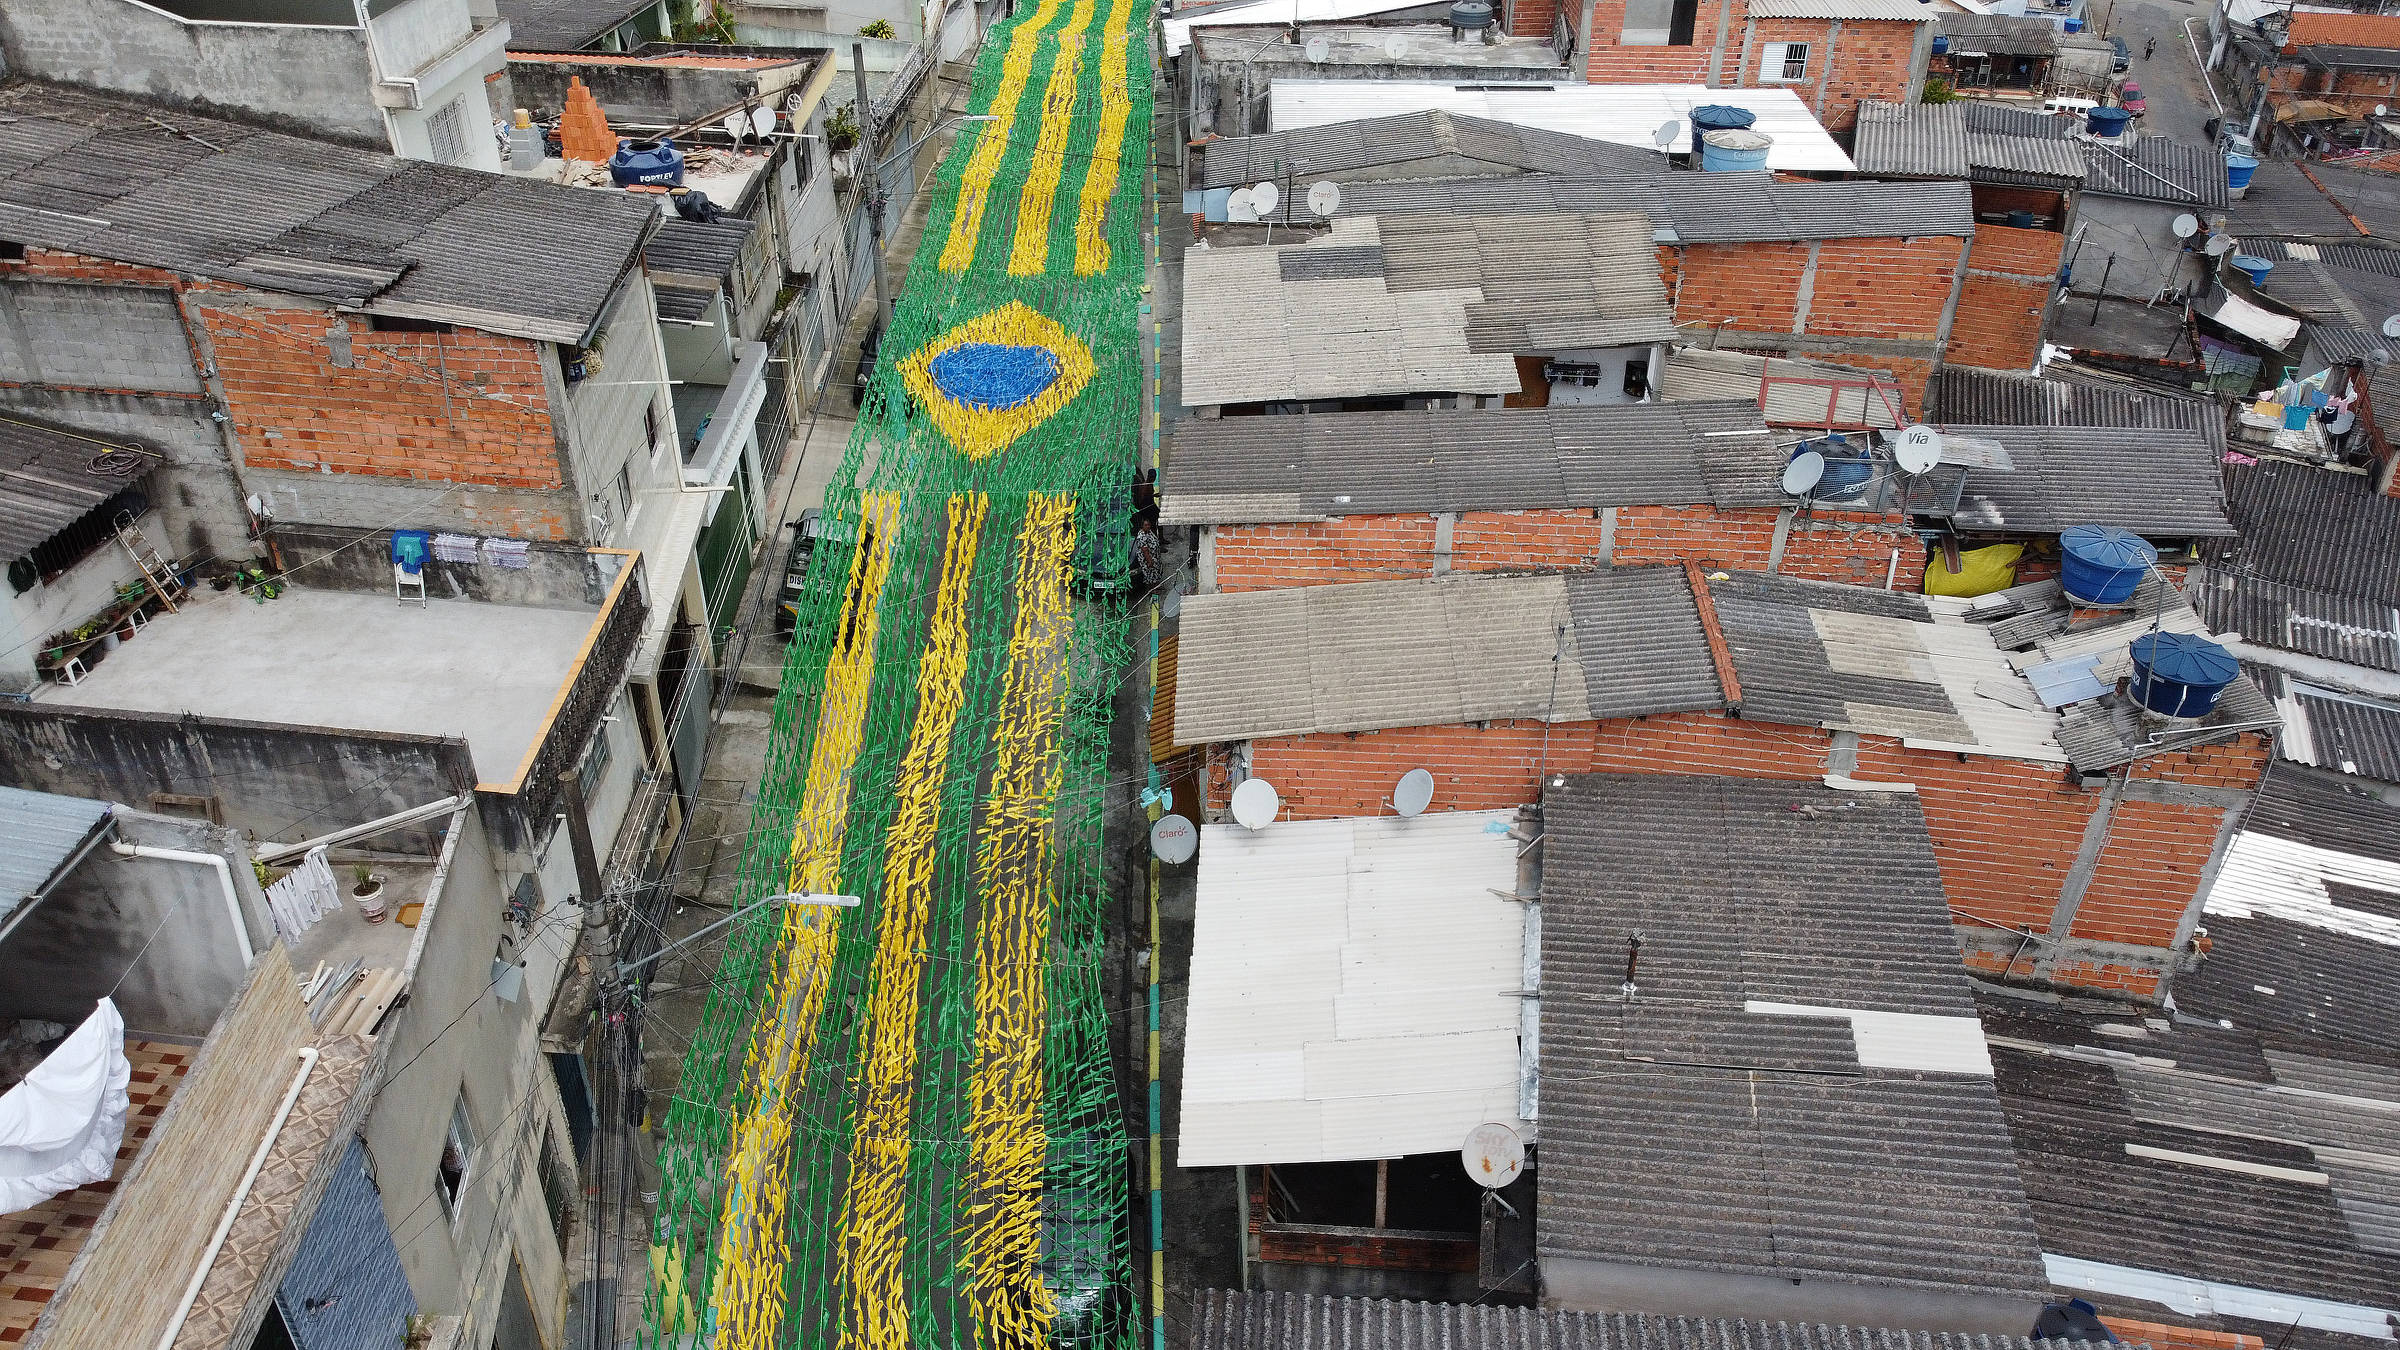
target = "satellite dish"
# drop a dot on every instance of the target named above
(1325, 198)
(2186, 225)
(1919, 449)
(1319, 51)
(1494, 1155)
(1174, 839)
(1666, 133)
(1265, 198)
(2219, 245)
(1240, 209)
(1802, 473)
(1395, 46)
(2391, 326)
(735, 125)
(1414, 793)
(1255, 803)
(2380, 110)
(762, 122)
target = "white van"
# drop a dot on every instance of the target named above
(2068, 104)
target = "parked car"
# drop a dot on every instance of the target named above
(2131, 100)
(808, 534)
(2123, 60)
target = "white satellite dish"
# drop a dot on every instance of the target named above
(2391, 326)
(1802, 473)
(1265, 198)
(1666, 133)
(1319, 51)
(1174, 839)
(1919, 449)
(1255, 803)
(735, 125)
(1494, 1155)
(1395, 46)
(1325, 198)
(2219, 245)
(762, 122)
(2381, 111)
(2186, 225)
(1413, 793)
(1240, 209)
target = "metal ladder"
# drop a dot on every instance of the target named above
(155, 569)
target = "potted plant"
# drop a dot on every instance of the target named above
(841, 129)
(881, 28)
(418, 1333)
(367, 890)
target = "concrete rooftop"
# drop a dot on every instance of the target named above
(354, 661)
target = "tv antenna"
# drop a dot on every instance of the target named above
(1255, 804)
(1917, 449)
(1494, 1155)
(736, 125)
(1174, 839)
(2186, 225)
(1413, 793)
(1324, 198)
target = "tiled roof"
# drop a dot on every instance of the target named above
(1696, 208)
(1244, 470)
(1224, 1319)
(1966, 396)
(50, 476)
(2044, 479)
(1798, 1086)
(1412, 139)
(1414, 303)
(1425, 653)
(97, 175)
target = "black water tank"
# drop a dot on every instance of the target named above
(1471, 15)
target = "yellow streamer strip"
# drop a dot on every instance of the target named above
(871, 1212)
(991, 140)
(753, 1245)
(1031, 255)
(1011, 1306)
(1100, 180)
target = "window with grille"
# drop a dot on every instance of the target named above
(1783, 63)
(448, 129)
(458, 1155)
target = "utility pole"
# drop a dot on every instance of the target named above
(874, 171)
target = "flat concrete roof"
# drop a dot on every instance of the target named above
(354, 661)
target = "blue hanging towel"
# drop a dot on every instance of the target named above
(409, 549)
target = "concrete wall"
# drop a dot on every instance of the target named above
(1610, 1286)
(657, 94)
(556, 576)
(314, 80)
(281, 783)
(409, 34)
(155, 931)
(28, 620)
(605, 418)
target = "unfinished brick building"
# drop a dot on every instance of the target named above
(2074, 833)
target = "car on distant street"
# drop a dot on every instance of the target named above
(2124, 55)
(2131, 99)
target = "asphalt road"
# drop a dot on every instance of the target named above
(2170, 79)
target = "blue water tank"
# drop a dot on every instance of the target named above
(2253, 267)
(2180, 675)
(1941, 45)
(1848, 469)
(1718, 117)
(2238, 169)
(1734, 149)
(2107, 121)
(657, 165)
(2102, 564)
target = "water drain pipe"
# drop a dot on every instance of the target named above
(233, 899)
(233, 1207)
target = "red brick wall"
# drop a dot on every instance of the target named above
(50, 264)
(1870, 60)
(1323, 553)
(1855, 551)
(1867, 288)
(1485, 541)
(1750, 287)
(1701, 534)
(1532, 18)
(1884, 288)
(1999, 323)
(392, 412)
(1606, 62)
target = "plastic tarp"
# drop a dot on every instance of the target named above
(2275, 330)
(60, 1128)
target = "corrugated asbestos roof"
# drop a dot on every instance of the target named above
(50, 476)
(2162, 483)
(1692, 1127)
(1696, 208)
(1967, 396)
(562, 25)
(1902, 11)
(1385, 654)
(1912, 139)
(97, 175)
(39, 833)
(1409, 139)
(1999, 35)
(1249, 470)
(2354, 630)
(2312, 528)
(698, 248)
(1349, 988)
(1224, 1319)
(2281, 202)
(1414, 304)
(2156, 169)
(2333, 729)
(1628, 114)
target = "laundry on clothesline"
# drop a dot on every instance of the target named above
(507, 553)
(456, 548)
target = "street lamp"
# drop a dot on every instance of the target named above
(625, 969)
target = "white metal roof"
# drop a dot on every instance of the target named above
(1350, 989)
(2286, 879)
(1626, 114)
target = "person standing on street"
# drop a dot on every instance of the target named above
(2150, 49)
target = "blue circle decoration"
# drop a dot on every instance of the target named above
(993, 375)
